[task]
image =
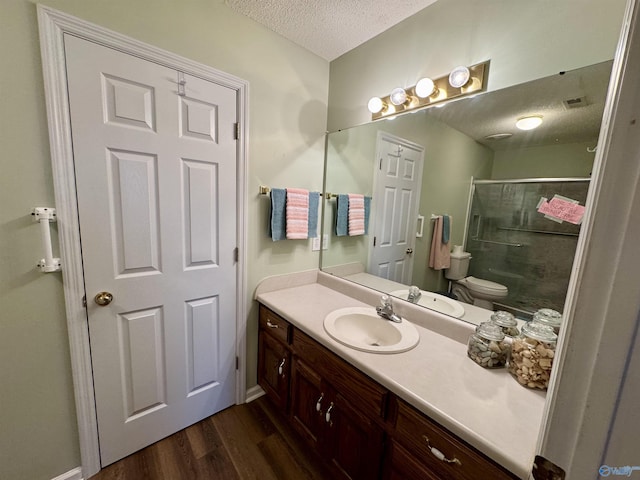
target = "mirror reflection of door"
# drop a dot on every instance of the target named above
(398, 178)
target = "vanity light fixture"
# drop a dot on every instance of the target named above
(398, 96)
(376, 105)
(425, 88)
(459, 77)
(428, 92)
(529, 123)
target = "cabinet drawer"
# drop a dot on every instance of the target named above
(417, 432)
(402, 466)
(351, 383)
(275, 325)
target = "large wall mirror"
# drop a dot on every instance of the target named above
(468, 161)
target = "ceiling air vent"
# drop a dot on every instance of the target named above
(572, 103)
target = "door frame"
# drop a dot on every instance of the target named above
(383, 136)
(53, 24)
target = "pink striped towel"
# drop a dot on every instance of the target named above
(297, 213)
(356, 214)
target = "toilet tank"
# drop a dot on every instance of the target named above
(459, 264)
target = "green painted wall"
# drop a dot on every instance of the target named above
(450, 160)
(564, 160)
(287, 120)
(524, 41)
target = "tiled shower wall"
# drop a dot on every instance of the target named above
(512, 244)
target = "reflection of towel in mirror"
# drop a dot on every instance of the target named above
(314, 200)
(367, 210)
(342, 220)
(277, 224)
(356, 214)
(446, 230)
(297, 213)
(439, 257)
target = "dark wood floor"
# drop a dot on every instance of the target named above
(242, 442)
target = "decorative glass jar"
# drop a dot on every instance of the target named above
(487, 346)
(507, 322)
(532, 355)
(549, 317)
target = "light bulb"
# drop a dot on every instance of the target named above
(529, 123)
(425, 87)
(398, 96)
(375, 105)
(459, 76)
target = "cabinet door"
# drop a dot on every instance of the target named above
(307, 402)
(274, 369)
(353, 442)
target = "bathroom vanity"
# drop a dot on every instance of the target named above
(427, 413)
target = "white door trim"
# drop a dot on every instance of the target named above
(603, 300)
(53, 25)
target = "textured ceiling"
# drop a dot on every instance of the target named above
(328, 28)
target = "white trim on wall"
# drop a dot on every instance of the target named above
(53, 25)
(254, 393)
(74, 474)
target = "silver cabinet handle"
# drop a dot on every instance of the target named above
(281, 366)
(327, 416)
(272, 325)
(319, 403)
(438, 454)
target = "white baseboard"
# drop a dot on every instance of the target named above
(75, 474)
(254, 393)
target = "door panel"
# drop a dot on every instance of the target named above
(155, 166)
(398, 188)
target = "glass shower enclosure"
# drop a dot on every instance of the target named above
(511, 243)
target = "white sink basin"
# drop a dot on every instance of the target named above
(436, 302)
(362, 329)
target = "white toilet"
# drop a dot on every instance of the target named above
(476, 291)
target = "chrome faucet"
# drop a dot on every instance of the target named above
(414, 294)
(385, 310)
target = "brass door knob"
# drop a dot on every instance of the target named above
(103, 299)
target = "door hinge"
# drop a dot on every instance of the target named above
(236, 254)
(543, 469)
(380, 166)
(237, 363)
(374, 241)
(84, 301)
(236, 131)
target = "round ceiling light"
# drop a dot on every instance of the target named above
(398, 96)
(425, 87)
(459, 77)
(529, 123)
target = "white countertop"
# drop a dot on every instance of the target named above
(486, 408)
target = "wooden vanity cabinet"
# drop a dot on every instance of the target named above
(436, 453)
(328, 413)
(363, 431)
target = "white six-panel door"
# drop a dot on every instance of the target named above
(397, 193)
(155, 161)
